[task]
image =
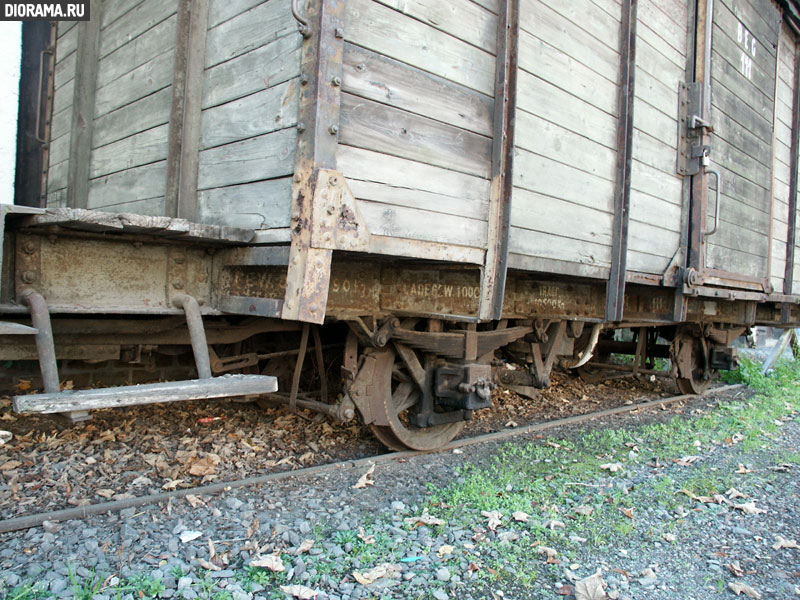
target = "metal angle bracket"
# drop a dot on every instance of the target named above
(336, 223)
(690, 129)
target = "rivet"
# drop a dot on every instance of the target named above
(29, 276)
(333, 129)
(301, 127)
(29, 247)
(336, 81)
(303, 79)
(339, 32)
(313, 308)
(297, 177)
(179, 260)
(333, 181)
(178, 285)
(331, 209)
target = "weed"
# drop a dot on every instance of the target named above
(143, 586)
(28, 591)
(84, 589)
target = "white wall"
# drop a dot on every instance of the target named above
(10, 50)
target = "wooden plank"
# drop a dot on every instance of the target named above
(264, 23)
(655, 210)
(657, 93)
(747, 91)
(728, 52)
(553, 247)
(552, 64)
(138, 51)
(762, 21)
(410, 223)
(550, 178)
(539, 264)
(272, 109)
(400, 173)
(374, 126)
(57, 176)
(262, 68)
(114, 10)
(666, 19)
(264, 157)
(649, 38)
(422, 200)
(140, 183)
(648, 180)
(375, 77)
(67, 44)
(463, 19)
(653, 240)
(383, 30)
(151, 111)
(734, 261)
(654, 153)
(223, 10)
(740, 138)
(83, 107)
(547, 139)
(257, 205)
(642, 262)
(657, 125)
(151, 77)
(599, 53)
(140, 149)
(545, 214)
(143, 17)
(581, 13)
(543, 99)
(59, 149)
(151, 207)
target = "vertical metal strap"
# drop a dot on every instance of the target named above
(794, 164)
(185, 113)
(308, 277)
(83, 104)
(615, 295)
(505, 101)
(298, 368)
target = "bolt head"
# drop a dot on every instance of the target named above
(178, 285)
(333, 129)
(29, 247)
(336, 81)
(29, 276)
(339, 32)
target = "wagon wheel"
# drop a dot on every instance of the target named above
(590, 373)
(400, 398)
(690, 354)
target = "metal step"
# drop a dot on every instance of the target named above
(7, 328)
(134, 395)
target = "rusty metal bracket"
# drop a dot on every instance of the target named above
(336, 222)
(28, 263)
(544, 354)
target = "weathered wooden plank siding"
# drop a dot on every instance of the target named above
(132, 106)
(60, 128)
(416, 118)
(657, 188)
(743, 72)
(566, 158)
(249, 114)
(784, 99)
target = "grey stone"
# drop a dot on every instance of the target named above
(168, 593)
(234, 503)
(441, 595)
(398, 506)
(58, 585)
(127, 532)
(443, 574)
(305, 527)
(184, 583)
(224, 574)
(11, 579)
(51, 526)
(127, 513)
(89, 532)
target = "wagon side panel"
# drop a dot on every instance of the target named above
(566, 137)
(657, 198)
(416, 123)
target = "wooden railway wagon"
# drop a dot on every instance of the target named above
(407, 185)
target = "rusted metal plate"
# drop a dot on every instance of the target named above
(558, 299)
(14, 349)
(431, 291)
(254, 282)
(355, 286)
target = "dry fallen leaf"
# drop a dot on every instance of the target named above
(551, 524)
(628, 512)
(669, 537)
(736, 569)
(172, 484)
(195, 501)
(205, 466)
(189, 536)
(733, 493)
(382, 570)
(590, 588)
(209, 566)
(367, 539)
(10, 465)
(749, 508)
(686, 461)
(742, 588)
(5, 436)
(365, 479)
(784, 543)
(586, 511)
(742, 470)
(613, 467)
(520, 516)
(273, 562)
(105, 493)
(300, 592)
(550, 552)
(495, 518)
(423, 519)
(445, 551)
(508, 536)
(308, 545)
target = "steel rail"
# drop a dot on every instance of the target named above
(83, 512)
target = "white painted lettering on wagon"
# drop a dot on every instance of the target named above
(748, 41)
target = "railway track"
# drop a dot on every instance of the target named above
(82, 512)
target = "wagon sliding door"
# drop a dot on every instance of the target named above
(743, 83)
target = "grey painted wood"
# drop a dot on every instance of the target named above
(264, 23)
(135, 22)
(263, 157)
(256, 205)
(375, 77)
(138, 51)
(114, 10)
(140, 149)
(146, 113)
(139, 183)
(263, 112)
(373, 126)
(549, 246)
(222, 10)
(154, 75)
(385, 31)
(259, 69)
(83, 107)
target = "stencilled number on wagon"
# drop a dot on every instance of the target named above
(750, 45)
(352, 287)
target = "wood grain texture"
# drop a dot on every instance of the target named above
(256, 205)
(146, 113)
(151, 77)
(140, 149)
(133, 23)
(388, 32)
(140, 183)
